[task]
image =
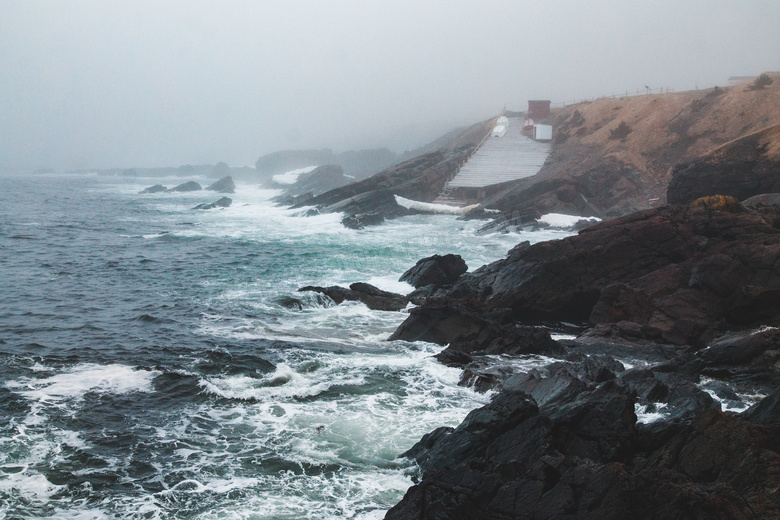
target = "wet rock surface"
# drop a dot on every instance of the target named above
(373, 297)
(664, 406)
(567, 444)
(435, 270)
(681, 274)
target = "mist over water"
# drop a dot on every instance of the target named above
(150, 369)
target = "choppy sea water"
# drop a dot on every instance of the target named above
(149, 369)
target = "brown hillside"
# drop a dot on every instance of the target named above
(597, 165)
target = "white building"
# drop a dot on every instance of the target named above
(542, 133)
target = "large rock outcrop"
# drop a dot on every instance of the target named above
(186, 186)
(567, 445)
(421, 178)
(682, 274)
(223, 185)
(743, 168)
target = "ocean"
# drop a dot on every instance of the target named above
(153, 366)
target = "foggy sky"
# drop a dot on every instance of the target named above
(91, 84)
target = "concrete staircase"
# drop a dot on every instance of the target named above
(501, 159)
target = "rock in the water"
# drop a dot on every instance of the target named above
(319, 180)
(361, 221)
(373, 297)
(435, 270)
(187, 186)
(224, 202)
(157, 188)
(223, 185)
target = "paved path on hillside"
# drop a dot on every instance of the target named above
(501, 159)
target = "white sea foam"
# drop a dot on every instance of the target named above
(744, 399)
(559, 220)
(32, 486)
(291, 177)
(645, 417)
(74, 383)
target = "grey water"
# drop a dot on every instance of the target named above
(153, 368)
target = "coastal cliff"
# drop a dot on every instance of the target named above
(613, 156)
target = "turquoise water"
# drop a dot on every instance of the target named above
(149, 370)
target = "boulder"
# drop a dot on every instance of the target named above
(187, 186)
(224, 202)
(223, 185)
(157, 188)
(435, 270)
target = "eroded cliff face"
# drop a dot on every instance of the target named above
(612, 157)
(742, 168)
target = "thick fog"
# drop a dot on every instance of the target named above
(89, 84)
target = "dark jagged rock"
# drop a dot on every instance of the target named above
(223, 185)
(743, 168)
(579, 456)
(683, 274)
(373, 297)
(435, 270)
(187, 186)
(421, 178)
(740, 347)
(224, 202)
(157, 188)
(766, 411)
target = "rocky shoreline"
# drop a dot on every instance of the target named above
(680, 310)
(666, 404)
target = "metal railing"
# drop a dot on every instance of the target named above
(641, 92)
